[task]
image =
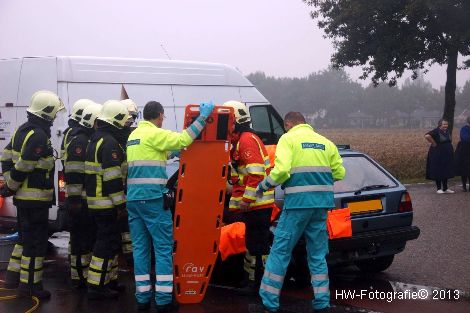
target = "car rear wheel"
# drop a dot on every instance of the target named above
(375, 265)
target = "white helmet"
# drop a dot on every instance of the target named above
(77, 108)
(242, 115)
(90, 113)
(45, 104)
(131, 107)
(114, 112)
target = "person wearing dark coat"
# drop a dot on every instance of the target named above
(462, 156)
(440, 161)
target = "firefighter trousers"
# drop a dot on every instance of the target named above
(103, 267)
(151, 224)
(82, 237)
(292, 224)
(257, 223)
(26, 262)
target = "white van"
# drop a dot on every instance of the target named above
(173, 83)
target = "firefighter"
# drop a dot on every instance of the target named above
(250, 164)
(149, 221)
(73, 122)
(104, 172)
(28, 168)
(306, 165)
(80, 223)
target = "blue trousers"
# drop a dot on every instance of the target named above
(150, 224)
(292, 224)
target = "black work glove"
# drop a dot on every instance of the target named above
(6, 192)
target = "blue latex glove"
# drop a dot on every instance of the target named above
(205, 108)
(259, 191)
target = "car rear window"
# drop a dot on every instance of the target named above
(361, 172)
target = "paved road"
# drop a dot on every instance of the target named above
(439, 258)
(441, 255)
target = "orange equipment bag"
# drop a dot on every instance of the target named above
(200, 198)
(232, 240)
(338, 223)
(232, 236)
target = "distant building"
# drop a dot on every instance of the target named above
(361, 120)
(424, 119)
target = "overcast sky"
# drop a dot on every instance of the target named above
(277, 37)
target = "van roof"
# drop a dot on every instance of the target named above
(147, 71)
(78, 69)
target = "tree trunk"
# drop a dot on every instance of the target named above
(449, 106)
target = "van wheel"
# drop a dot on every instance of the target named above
(375, 265)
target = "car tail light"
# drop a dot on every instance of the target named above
(405, 203)
(61, 184)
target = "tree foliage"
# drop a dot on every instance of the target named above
(332, 97)
(387, 38)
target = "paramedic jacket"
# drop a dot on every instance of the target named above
(307, 164)
(28, 164)
(147, 151)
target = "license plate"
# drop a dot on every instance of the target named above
(365, 206)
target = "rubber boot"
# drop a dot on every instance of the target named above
(36, 290)
(12, 280)
(12, 277)
(101, 293)
(114, 285)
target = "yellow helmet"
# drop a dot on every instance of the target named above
(78, 107)
(242, 115)
(90, 113)
(45, 104)
(115, 113)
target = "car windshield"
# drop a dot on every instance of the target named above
(360, 173)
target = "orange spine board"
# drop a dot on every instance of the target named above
(200, 201)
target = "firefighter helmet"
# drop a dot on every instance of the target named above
(115, 113)
(78, 107)
(45, 104)
(90, 113)
(242, 115)
(131, 107)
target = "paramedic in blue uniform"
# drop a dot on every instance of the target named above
(306, 165)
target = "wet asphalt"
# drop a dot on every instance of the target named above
(435, 268)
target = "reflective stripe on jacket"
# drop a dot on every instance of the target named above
(252, 165)
(74, 164)
(104, 171)
(307, 164)
(28, 166)
(147, 150)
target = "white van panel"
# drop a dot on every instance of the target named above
(184, 95)
(141, 94)
(252, 95)
(144, 71)
(36, 74)
(7, 125)
(9, 77)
